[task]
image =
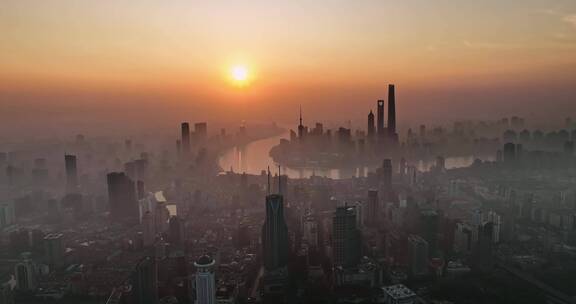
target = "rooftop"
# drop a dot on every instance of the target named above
(53, 236)
(204, 260)
(398, 291)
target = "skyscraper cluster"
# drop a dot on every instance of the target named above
(342, 146)
(188, 138)
(385, 131)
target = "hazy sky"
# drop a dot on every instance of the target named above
(156, 61)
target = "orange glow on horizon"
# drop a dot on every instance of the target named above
(261, 54)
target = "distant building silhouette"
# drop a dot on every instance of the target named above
(175, 230)
(140, 190)
(122, 196)
(185, 129)
(387, 174)
(380, 117)
(440, 164)
(422, 132)
(6, 293)
(483, 253)
(430, 230)
(569, 148)
(128, 145)
(25, 274)
(392, 114)
(371, 126)
(130, 169)
(280, 186)
(373, 212)
(7, 214)
(71, 173)
(54, 249)
(417, 255)
(509, 153)
(148, 229)
(201, 131)
(141, 166)
(301, 129)
(319, 129)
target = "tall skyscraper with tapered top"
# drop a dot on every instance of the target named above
(380, 117)
(371, 126)
(71, 173)
(275, 234)
(185, 128)
(391, 112)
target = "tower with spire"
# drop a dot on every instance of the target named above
(301, 128)
(371, 125)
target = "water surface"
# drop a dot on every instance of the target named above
(254, 157)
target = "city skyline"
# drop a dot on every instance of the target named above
(279, 152)
(84, 63)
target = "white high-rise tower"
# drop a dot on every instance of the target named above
(205, 282)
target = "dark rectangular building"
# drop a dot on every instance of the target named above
(71, 173)
(275, 234)
(122, 197)
(185, 129)
(391, 112)
(346, 239)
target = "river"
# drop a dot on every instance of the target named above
(252, 158)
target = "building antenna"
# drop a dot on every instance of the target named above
(268, 180)
(300, 114)
(279, 181)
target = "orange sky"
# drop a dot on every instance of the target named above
(333, 56)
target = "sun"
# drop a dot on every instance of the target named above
(239, 73)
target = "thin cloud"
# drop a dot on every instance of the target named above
(489, 45)
(571, 19)
(431, 48)
(548, 11)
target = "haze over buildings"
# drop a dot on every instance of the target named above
(255, 152)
